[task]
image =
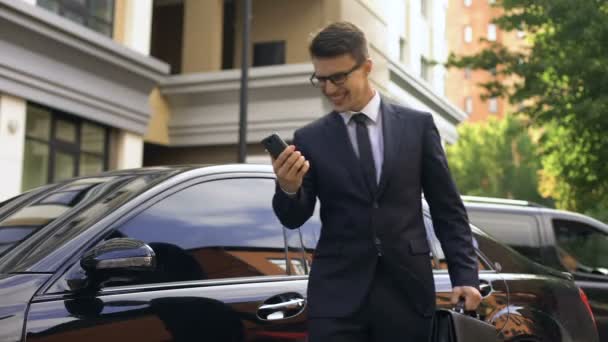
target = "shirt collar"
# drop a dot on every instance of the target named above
(371, 110)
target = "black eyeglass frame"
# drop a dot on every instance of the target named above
(338, 78)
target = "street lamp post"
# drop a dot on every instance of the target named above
(244, 82)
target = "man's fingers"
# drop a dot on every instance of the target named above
(471, 297)
(456, 294)
(288, 164)
(472, 300)
(288, 161)
(283, 156)
(303, 169)
(293, 171)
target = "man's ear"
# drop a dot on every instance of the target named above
(368, 66)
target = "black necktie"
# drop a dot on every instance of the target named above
(366, 157)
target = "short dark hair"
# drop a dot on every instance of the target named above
(339, 39)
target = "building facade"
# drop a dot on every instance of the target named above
(104, 84)
(75, 82)
(469, 23)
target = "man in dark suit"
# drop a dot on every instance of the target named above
(368, 162)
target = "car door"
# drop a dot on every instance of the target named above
(222, 275)
(583, 251)
(493, 308)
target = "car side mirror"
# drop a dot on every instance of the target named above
(114, 260)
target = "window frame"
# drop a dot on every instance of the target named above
(468, 104)
(492, 32)
(468, 34)
(86, 13)
(493, 105)
(574, 221)
(258, 47)
(75, 149)
(489, 264)
(468, 72)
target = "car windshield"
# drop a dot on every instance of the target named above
(44, 209)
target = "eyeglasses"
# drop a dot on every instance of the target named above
(337, 79)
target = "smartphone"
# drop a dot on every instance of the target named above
(274, 145)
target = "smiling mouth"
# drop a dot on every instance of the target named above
(337, 98)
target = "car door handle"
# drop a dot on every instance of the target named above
(282, 306)
(293, 304)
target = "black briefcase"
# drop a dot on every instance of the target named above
(456, 326)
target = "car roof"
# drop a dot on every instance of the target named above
(192, 168)
(489, 204)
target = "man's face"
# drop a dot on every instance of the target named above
(354, 93)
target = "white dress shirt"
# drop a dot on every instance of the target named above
(374, 128)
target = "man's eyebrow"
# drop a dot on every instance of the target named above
(335, 73)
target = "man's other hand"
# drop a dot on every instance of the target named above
(471, 296)
(290, 168)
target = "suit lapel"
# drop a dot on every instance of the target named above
(391, 131)
(344, 150)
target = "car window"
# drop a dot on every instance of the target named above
(581, 247)
(296, 257)
(213, 230)
(311, 231)
(518, 231)
(438, 259)
(45, 209)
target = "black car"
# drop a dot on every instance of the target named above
(565, 241)
(196, 253)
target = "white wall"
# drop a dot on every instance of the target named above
(129, 150)
(137, 32)
(138, 25)
(12, 141)
(439, 45)
(424, 37)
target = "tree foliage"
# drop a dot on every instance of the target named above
(561, 83)
(496, 158)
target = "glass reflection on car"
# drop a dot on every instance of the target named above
(19, 225)
(202, 232)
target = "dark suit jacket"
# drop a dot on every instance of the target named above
(346, 256)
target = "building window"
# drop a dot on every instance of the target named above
(492, 32)
(269, 53)
(493, 105)
(402, 57)
(424, 8)
(468, 3)
(60, 146)
(425, 69)
(467, 73)
(97, 15)
(468, 105)
(468, 34)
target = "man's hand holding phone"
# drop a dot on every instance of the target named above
(290, 167)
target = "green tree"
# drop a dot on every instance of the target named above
(561, 82)
(496, 158)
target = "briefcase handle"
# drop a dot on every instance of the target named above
(460, 309)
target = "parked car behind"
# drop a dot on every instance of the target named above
(196, 253)
(562, 240)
